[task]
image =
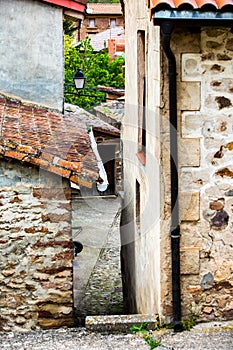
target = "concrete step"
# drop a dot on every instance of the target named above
(119, 323)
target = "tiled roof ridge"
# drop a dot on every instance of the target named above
(92, 120)
(194, 4)
(41, 141)
(12, 97)
(103, 6)
(99, 4)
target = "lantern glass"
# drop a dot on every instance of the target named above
(79, 79)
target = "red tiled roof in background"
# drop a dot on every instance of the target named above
(91, 120)
(192, 4)
(100, 40)
(69, 4)
(43, 137)
(104, 9)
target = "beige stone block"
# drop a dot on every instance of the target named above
(190, 263)
(189, 96)
(208, 309)
(191, 68)
(191, 124)
(189, 152)
(192, 179)
(189, 204)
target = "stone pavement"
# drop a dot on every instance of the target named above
(212, 336)
(97, 275)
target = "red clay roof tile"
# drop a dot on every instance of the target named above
(194, 4)
(91, 120)
(55, 142)
(104, 9)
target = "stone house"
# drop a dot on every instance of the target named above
(41, 153)
(176, 226)
(107, 137)
(32, 62)
(99, 18)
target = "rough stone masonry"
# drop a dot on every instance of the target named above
(205, 111)
(36, 248)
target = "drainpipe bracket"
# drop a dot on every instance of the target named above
(175, 232)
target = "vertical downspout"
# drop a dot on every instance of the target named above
(166, 31)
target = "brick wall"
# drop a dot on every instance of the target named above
(36, 249)
(101, 24)
(204, 66)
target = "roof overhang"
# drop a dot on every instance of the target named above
(193, 17)
(69, 4)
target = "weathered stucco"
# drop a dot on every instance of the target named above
(35, 248)
(31, 50)
(141, 245)
(204, 71)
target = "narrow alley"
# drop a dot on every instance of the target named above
(97, 275)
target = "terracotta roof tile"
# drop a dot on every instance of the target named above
(55, 142)
(80, 115)
(193, 4)
(104, 9)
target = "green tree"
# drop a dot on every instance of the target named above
(98, 68)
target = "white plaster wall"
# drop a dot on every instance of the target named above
(31, 51)
(146, 268)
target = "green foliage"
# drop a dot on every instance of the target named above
(188, 324)
(153, 343)
(142, 328)
(97, 67)
(69, 26)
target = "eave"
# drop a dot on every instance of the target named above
(69, 4)
(192, 12)
(193, 18)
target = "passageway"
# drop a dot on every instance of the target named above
(97, 275)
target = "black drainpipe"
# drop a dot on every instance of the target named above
(166, 31)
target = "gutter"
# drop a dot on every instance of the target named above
(166, 31)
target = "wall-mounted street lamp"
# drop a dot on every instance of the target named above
(79, 79)
(79, 82)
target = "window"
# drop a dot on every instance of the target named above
(92, 22)
(138, 206)
(112, 22)
(141, 66)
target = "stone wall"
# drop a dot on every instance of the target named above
(205, 112)
(36, 249)
(31, 50)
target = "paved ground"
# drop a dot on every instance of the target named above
(102, 295)
(210, 337)
(97, 276)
